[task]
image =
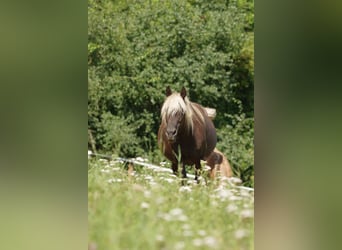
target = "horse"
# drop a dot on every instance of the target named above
(218, 163)
(186, 134)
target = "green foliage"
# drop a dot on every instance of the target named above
(137, 48)
(237, 143)
(117, 135)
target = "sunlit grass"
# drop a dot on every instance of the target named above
(151, 210)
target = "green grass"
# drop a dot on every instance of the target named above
(151, 210)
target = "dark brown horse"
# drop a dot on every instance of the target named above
(186, 133)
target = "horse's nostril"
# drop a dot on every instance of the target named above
(171, 133)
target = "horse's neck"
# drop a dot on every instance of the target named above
(186, 130)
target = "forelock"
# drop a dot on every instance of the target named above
(172, 105)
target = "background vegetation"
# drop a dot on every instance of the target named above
(137, 48)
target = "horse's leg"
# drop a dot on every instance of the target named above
(183, 171)
(184, 175)
(175, 168)
(197, 171)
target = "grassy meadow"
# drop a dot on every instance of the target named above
(152, 210)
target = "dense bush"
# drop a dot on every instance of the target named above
(137, 48)
(236, 140)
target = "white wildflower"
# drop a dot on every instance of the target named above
(240, 233)
(235, 198)
(147, 194)
(159, 170)
(210, 241)
(144, 205)
(202, 232)
(160, 200)
(179, 245)
(105, 170)
(197, 242)
(176, 212)
(153, 183)
(191, 182)
(246, 205)
(231, 208)
(245, 193)
(163, 216)
(138, 187)
(169, 180)
(187, 233)
(222, 182)
(214, 203)
(182, 217)
(224, 194)
(201, 179)
(114, 180)
(185, 189)
(159, 237)
(247, 213)
(167, 217)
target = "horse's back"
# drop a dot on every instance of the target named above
(207, 129)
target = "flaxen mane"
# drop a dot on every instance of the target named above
(175, 103)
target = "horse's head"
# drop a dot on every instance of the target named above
(173, 113)
(173, 124)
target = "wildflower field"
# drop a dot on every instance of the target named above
(145, 209)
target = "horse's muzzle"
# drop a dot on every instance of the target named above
(171, 136)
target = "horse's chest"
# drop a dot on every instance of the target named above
(190, 150)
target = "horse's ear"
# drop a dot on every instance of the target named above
(168, 91)
(183, 93)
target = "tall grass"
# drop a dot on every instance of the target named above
(151, 210)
